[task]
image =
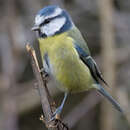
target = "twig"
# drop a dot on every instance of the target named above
(44, 95)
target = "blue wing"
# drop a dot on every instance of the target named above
(89, 61)
(84, 53)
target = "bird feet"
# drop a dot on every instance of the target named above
(44, 74)
(56, 114)
(56, 123)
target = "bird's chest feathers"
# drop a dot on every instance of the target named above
(63, 63)
(63, 55)
(61, 52)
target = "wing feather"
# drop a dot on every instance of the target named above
(84, 54)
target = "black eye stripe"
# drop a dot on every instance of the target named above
(46, 21)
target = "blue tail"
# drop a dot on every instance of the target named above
(109, 97)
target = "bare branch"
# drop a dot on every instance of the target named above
(44, 95)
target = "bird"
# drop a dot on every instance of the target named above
(66, 57)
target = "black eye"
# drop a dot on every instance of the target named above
(47, 21)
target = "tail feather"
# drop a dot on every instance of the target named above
(110, 98)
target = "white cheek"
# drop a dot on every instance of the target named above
(54, 26)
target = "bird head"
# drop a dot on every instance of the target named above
(52, 20)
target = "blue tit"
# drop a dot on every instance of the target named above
(65, 55)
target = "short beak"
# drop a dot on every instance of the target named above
(35, 28)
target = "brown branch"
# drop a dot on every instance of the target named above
(46, 102)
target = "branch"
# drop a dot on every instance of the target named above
(44, 94)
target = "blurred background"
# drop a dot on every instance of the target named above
(105, 25)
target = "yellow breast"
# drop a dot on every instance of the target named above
(69, 71)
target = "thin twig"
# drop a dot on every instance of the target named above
(44, 95)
